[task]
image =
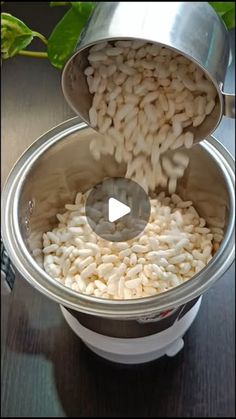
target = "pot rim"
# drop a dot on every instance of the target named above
(39, 279)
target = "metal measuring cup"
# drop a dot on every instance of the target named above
(190, 28)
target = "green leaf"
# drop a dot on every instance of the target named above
(226, 10)
(84, 8)
(222, 7)
(63, 39)
(15, 35)
(229, 19)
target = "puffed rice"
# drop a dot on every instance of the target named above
(167, 254)
(144, 99)
(171, 90)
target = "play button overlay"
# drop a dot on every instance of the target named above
(118, 209)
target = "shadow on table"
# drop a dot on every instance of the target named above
(90, 386)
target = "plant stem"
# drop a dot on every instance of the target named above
(40, 36)
(33, 54)
(59, 3)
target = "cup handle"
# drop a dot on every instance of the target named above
(228, 105)
(7, 272)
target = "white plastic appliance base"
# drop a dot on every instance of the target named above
(137, 350)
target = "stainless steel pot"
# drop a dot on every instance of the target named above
(191, 28)
(58, 164)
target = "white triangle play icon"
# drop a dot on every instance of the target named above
(116, 210)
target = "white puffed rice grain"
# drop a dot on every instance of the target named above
(166, 255)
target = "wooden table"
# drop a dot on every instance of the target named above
(46, 370)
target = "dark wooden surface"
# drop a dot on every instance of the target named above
(46, 369)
